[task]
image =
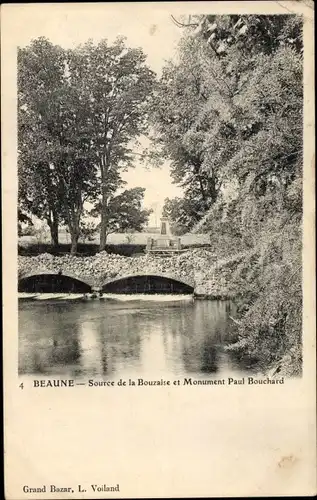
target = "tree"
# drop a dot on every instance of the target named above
(75, 161)
(181, 113)
(182, 213)
(57, 165)
(248, 33)
(40, 77)
(211, 104)
(234, 99)
(79, 111)
(115, 83)
(124, 212)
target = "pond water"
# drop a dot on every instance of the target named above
(168, 337)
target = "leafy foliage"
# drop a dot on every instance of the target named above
(183, 214)
(233, 103)
(78, 112)
(56, 163)
(40, 73)
(124, 211)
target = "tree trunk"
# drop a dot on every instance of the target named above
(54, 233)
(197, 165)
(53, 225)
(213, 192)
(74, 230)
(104, 214)
(74, 239)
(103, 227)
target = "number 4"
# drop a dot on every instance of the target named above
(21, 386)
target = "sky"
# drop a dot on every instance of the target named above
(151, 29)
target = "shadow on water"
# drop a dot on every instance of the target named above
(106, 338)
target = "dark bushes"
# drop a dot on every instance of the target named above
(83, 249)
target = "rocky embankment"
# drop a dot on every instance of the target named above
(210, 278)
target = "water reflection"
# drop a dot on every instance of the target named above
(56, 342)
(116, 338)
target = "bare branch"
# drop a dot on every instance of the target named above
(182, 25)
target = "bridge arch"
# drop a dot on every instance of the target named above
(150, 283)
(50, 282)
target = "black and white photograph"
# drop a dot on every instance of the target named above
(158, 262)
(160, 199)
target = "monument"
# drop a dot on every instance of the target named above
(165, 228)
(164, 243)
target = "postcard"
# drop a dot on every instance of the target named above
(158, 249)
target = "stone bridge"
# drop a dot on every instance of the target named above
(191, 272)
